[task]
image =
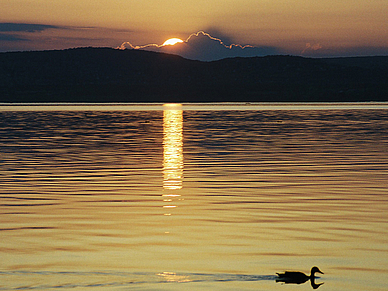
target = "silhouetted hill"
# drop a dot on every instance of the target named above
(109, 75)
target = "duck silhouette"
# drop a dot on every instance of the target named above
(299, 277)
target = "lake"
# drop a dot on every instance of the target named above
(193, 196)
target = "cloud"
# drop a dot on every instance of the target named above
(25, 27)
(29, 36)
(311, 47)
(20, 32)
(205, 47)
(21, 36)
(11, 37)
(320, 51)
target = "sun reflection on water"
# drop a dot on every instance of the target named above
(172, 147)
(172, 155)
(172, 277)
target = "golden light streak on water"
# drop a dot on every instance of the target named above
(173, 277)
(172, 147)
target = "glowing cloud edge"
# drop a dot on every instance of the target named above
(196, 34)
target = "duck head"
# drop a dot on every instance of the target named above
(315, 270)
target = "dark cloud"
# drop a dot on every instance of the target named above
(27, 36)
(13, 34)
(11, 37)
(322, 52)
(25, 27)
(203, 47)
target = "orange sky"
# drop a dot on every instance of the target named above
(331, 26)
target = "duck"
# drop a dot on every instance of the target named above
(299, 277)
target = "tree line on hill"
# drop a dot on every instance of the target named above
(110, 75)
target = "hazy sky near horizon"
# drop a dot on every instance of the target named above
(301, 27)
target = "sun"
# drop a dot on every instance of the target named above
(172, 41)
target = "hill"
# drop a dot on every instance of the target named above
(110, 75)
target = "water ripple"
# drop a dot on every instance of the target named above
(118, 279)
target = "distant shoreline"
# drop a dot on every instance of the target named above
(231, 106)
(191, 103)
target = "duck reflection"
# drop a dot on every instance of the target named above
(299, 277)
(172, 146)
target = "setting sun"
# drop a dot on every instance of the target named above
(172, 41)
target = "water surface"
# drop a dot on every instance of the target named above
(212, 197)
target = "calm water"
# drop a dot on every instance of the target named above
(193, 197)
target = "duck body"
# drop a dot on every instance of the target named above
(297, 277)
(293, 277)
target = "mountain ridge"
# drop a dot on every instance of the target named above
(111, 75)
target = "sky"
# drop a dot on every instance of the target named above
(297, 27)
